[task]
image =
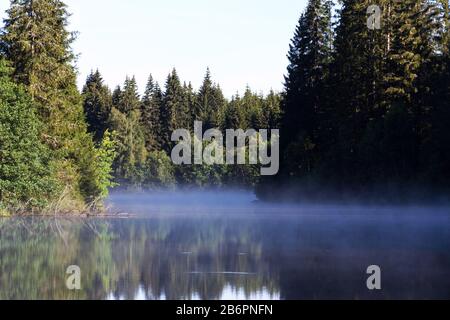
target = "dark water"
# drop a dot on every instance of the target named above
(181, 246)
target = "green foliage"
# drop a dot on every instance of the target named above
(128, 99)
(143, 134)
(131, 151)
(173, 110)
(82, 142)
(101, 179)
(373, 112)
(26, 177)
(97, 103)
(151, 115)
(309, 58)
(36, 41)
(159, 171)
(361, 107)
(210, 103)
(27, 272)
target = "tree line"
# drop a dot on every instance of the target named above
(62, 150)
(363, 109)
(366, 110)
(48, 160)
(143, 127)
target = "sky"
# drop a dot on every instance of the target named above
(243, 42)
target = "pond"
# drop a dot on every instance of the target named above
(208, 245)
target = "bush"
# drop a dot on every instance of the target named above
(26, 179)
(159, 171)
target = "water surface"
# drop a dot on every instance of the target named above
(227, 246)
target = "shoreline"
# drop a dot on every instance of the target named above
(121, 215)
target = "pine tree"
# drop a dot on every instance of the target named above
(116, 96)
(235, 117)
(210, 103)
(150, 115)
(251, 104)
(37, 42)
(35, 39)
(203, 98)
(272, 111)
(127, 123)
(411, 47)
(97, 105)
(131, 152)
(437, 135)
(309, 57)
(445, 30)
(129, 97)
(172, 107)
(216, 118)
(190, 105)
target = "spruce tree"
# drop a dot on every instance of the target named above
(116, 96)
(150, 115)
(171, 110)
(131, 152)
(35, 39)
(97, 105)
(309, 57)
(272, 110)
(234, 116)
(251, 104)
(210, 103)
(216, 118)
(189, 105)
(203, 98)
(128, 99)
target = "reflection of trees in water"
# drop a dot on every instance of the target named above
(186, 258)
(172, 258)
(182, 258)
(33, 256)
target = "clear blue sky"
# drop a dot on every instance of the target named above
(242, 41)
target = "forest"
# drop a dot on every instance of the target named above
(366, 111)
(143, 126)
(362, 110)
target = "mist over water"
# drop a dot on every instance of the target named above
(182, 202)
(227, 245)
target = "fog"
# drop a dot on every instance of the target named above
(305, 251)
(218, 244)
(238, 201)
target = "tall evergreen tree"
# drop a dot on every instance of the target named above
(309, 57)
(116, 96)
(97, 105)
(216, 117)
(26, 177)
(172, 108)
(210, 103)
(204, 97)
(189, 105)
(272, 110)
(383, 116)
(150, 115)
(252, 106)
(131, 151)
(129, 97)
(35, 39)
(235, 117)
